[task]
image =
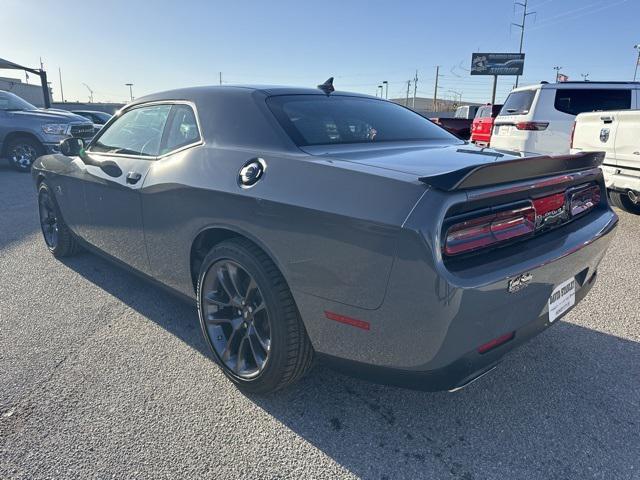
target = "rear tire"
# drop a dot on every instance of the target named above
(22, 152)
(623, 202)
(57, 236)
(250, 320)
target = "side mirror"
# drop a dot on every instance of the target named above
(71, 147)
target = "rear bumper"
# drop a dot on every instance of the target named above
(621, 179)
(459, 373)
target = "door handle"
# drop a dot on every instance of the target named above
(133, 177)
(607, 119)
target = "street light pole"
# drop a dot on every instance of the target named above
(386, 89)
(557, 69)
(130, 85)
(635, 74)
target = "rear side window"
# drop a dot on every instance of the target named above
(518, 103)
(575, 101)
(336, 119)
(182, 129)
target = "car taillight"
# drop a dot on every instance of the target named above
(573, 131)
(488, 230)
(532, 125)
(584, 199)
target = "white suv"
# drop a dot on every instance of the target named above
(539, 118)
(618, 135)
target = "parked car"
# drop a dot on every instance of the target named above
(460, 124)
(539, 118)
(617, 133)
(305, 223)
(99, 119)
(483, 124)
(27, 132)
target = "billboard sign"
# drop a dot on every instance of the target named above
(497, 63)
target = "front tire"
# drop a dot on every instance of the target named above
(250, 320)
(623, 202)
(22, 152)
(57, 236)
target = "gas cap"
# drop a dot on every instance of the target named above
(251, 172)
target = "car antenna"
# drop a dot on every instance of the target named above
(327, 87)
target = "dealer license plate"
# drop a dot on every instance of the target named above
(562, 299)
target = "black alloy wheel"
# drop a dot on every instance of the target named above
(249, 318)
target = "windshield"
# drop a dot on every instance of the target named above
(9, 101)
(518, 103)
(335, 119)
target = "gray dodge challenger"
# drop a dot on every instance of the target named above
(314, 224)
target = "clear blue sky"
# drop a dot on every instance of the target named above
(108, 43)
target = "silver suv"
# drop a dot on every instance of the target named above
(26, 132)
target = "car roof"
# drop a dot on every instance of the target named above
(267, 90)
(577, 84)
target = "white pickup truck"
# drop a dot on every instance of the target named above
(617, 133)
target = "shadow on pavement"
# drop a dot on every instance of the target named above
(18, 203)
(566, 405)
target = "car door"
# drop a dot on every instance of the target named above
(116, 163)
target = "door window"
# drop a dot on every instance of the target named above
(136, 132)
(182, 129)
(575, 101)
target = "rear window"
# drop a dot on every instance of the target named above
(575, 101)
(336, 119)
(518, 103)
(484, 112)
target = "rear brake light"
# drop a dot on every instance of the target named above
(532, 125)
(488, 230)
(584, 200)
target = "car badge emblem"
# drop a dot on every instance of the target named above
(604, 135)
(518, 283)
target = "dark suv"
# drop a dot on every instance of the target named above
(26, 132)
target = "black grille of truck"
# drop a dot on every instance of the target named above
(82, 131)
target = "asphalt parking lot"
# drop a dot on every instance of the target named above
(103, 375)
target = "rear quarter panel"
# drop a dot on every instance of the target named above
(331, 229)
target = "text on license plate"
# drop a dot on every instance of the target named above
(562, 299)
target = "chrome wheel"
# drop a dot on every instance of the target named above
(236, 318)
(23, 155)
(48, 220)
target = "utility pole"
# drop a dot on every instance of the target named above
(493, 93)
(220, 77)
(130, 85)
(61, 91)
(557, 69)
(415, 89)
(386, 89)
(408, 88)
(525, 14)
(635, 74)
(435, 91)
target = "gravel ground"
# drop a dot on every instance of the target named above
(103, 375)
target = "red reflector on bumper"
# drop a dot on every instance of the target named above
(354, 322)
(496, 342)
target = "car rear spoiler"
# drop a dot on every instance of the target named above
(507, 171)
